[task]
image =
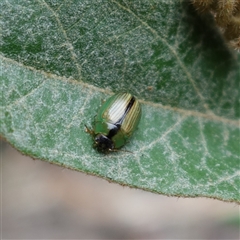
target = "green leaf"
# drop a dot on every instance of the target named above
(59, 59)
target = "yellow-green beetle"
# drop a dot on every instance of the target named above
(115, 122)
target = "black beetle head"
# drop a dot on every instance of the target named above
(103, 143)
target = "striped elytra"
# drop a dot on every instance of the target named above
(115, 122)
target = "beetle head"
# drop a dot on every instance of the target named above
(103, 143)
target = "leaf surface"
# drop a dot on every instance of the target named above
(59, 59)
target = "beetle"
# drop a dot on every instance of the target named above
(115, 122)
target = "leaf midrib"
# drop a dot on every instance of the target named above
(184, 112)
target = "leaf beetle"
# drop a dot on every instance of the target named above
(115, 122)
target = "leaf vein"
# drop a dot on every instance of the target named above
(155, 33)
(68, 42)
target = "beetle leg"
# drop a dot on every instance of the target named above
(88, 130)
(125, 151)
(119, 150)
